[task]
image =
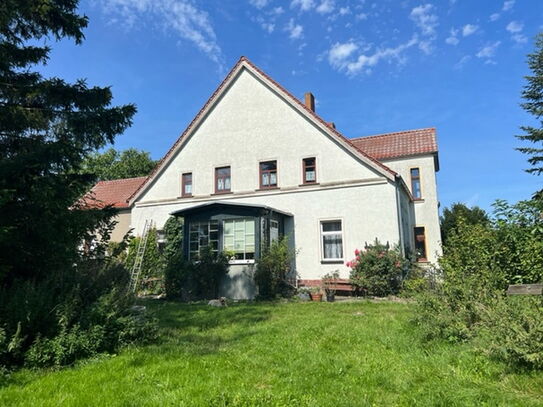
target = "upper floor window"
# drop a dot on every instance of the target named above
(310, 170)
(268, 174)
(222, 180)
(420, 243)
(186, 184)
(332, 240)
(415, 183)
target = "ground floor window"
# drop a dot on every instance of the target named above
(201, 235)
(239, 237)
(420, 244)
(332, 240)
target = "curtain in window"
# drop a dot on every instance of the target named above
(333, 246)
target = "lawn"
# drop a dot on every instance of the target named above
(300, 354)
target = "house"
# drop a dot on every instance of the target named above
(257, 163)
(115, 193)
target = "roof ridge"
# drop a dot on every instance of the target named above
(392, 133)
(120, 179)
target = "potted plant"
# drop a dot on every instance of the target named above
(315, 293)
(328, 283)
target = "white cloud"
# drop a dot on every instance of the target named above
(180, 17)
(489, 51)
(259, 3)
(327, 6)
(269, 27)
(452, 38)
(424, 19)
(295, 30)
(469, 29)
(344, 10)
(494, 17)
(278, 10)
(361, 16)
(514, 27)
(340, 56)
(303, 4)
(460, 64)
(508, 5)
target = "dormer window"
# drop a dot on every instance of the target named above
(310, 170)
(415, 183)
(222, 180)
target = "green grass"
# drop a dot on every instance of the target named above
(299, 354)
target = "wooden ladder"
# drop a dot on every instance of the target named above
(140, 253)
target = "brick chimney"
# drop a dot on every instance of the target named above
(310, 101)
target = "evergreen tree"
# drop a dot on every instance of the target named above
(113, 164)
(47, 128)
(458, 214)
(533, 96)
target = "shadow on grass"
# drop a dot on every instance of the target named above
(200, 329)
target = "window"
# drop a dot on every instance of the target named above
(186, 184)
(420, 244)
(332, 240)
(222, 180)
(239, 237)
(415, 183)
(268, 174)
(310, 170)
(201, 235)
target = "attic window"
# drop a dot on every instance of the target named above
(310, 170)
(268, 174)
(222, 180)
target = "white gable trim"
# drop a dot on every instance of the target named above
(244, 63)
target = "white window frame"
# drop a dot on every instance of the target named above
(323, 233)
(234, 260)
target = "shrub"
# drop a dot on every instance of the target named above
(378, 269)
(60, 320)
(514, 331)
(196, 280)
(272, 270)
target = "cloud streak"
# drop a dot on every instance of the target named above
(180, 17)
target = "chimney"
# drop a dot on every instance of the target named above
(332, 125)
(310, 101)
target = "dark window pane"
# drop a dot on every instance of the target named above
(268, 166)
(331, 226)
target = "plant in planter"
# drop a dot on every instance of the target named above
(316, 294)
(328, 283)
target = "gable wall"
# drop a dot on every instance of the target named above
(252, 124)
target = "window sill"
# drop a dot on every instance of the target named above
(417, 200)
(308, 184)
(222, 193)
(185, 196)
(333, 261)
(266, 189)
(241, 262)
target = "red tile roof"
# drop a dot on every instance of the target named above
(398, 144)
(114, 193)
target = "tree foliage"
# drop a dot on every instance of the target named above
(113, 164)
(533, 96)
(53, 297)
(450, 218)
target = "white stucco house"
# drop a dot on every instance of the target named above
(256, 163)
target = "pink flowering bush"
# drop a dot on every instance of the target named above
(378, 269)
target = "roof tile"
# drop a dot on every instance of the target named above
(114, 192)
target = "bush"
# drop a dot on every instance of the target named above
(514, 331)
(272, 270)
(60, 320)
(196, 280)
(378, 269)
(153, 262)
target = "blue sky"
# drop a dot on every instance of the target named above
(374, 67)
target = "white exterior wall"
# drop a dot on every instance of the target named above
(427, 208)
(367, 211)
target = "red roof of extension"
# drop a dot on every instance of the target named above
(114, 193)
(226, 80)
(398, 144)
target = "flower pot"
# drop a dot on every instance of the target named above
(316, 297)
(330, 297)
